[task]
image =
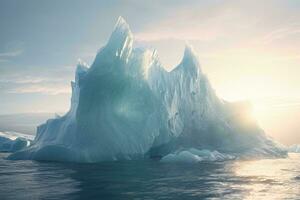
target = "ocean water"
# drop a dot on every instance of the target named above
(255, 179)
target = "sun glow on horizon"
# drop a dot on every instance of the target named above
(266, 79)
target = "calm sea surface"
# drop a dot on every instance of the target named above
(259, 179)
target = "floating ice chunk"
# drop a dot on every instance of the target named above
(9, 142)
(183, 157)
(194, 155)
(211, 155)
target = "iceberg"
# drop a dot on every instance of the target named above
(12, 141)
(127, 106)
(294, 148)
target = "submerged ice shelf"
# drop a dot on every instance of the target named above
(127, 106)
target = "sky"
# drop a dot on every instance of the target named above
(250, 50)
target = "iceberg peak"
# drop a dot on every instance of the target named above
(122, 25)
(121, 39)
(189, 62)
(189, 52)
(121, 31)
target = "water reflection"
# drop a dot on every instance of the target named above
(261, 179)
(271, 179)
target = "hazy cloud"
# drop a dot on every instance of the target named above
(282, 33)
(11, 53)
(44, 89)
(53, 81)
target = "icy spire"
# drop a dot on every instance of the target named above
(188, 52)
(122, 25)
(121, 39)
(189, 62)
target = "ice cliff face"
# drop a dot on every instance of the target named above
(126, 106)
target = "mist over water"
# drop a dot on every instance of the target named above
(151, 179)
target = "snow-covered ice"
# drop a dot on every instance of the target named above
(127, 106)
